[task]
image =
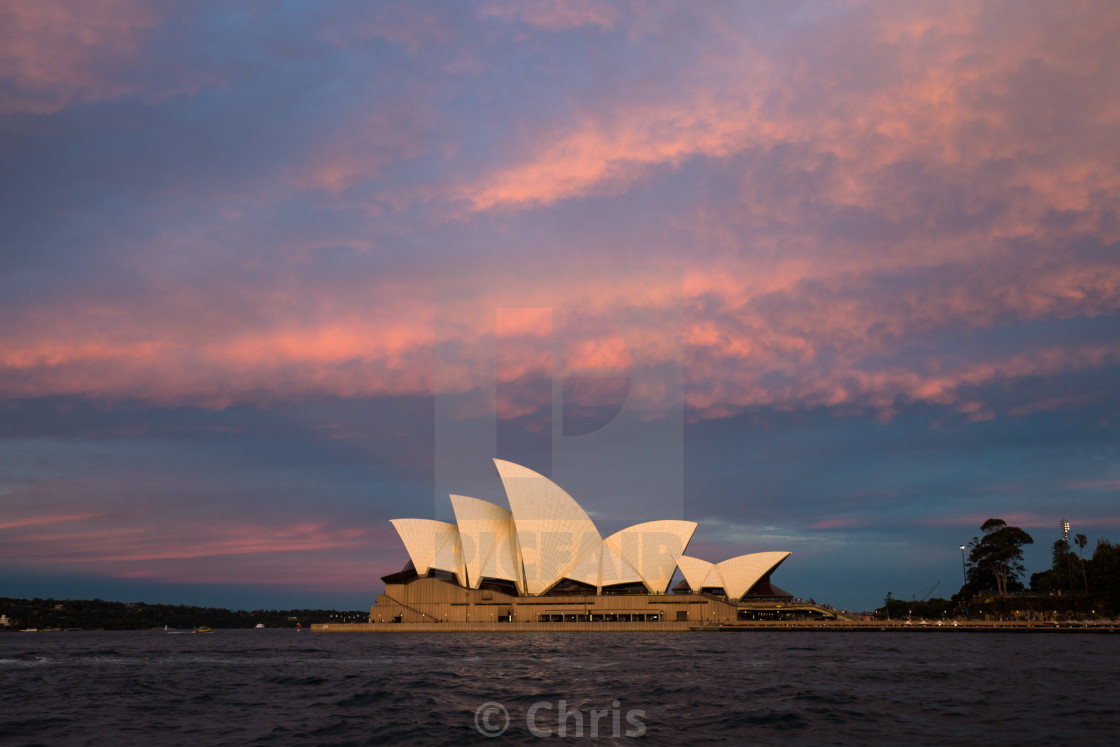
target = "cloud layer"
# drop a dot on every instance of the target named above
(876, 209)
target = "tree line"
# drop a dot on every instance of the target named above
(994, 579)
(98, 614)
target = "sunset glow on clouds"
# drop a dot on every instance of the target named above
(896, 227)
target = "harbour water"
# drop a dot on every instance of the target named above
(275, 687)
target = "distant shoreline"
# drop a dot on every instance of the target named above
(50, 615)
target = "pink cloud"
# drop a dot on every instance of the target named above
(1026, 521)
(939, 103)
(827, 524)
(300, 554)
(555, 15)
(44, 520)
(357, 149)
(734, 350)
(1095, 485)
(58, 53)
(783, 309)
(417, 29)
(591, 343)
(597, 159)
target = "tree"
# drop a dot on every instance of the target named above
(997, 557)
(1081, 540)
(1104, 567)
(1058, 579)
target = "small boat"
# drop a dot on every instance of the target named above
(259, 626)
(203, 629)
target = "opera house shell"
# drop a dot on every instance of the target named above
(543, 560)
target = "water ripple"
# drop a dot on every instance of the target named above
(279, 687)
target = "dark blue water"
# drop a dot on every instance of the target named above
(278, 687)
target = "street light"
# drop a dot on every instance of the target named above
(964, 568)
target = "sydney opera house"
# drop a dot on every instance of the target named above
(542, 564)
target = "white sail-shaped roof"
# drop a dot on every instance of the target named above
(697, 572)
(488, 540)
(604, 566)
(741, 573)
(651, 549)
(553, 532)
(589, 569)
(615, 568)
(735, 576)
(432, 544)
(546, 536)
(449, 555)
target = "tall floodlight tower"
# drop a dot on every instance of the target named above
(1069, 561)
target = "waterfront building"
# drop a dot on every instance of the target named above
(543, 560)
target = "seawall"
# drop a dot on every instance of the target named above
(837, 626)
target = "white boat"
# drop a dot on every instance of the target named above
(259, 626)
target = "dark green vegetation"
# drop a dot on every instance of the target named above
(1072, 575)
(995, 560)
(920, 609)
(1073, 587)
(97, 614)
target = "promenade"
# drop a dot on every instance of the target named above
(823, 626)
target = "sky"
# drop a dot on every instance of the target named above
(834, 278)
